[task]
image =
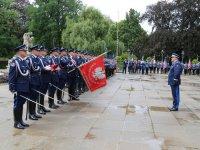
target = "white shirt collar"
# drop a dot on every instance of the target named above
(34, 55)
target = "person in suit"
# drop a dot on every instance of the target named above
(19, 84)
(174, 80)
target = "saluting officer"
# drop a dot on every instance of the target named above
(54, 58)
(174, 80)
(34, 66)
(45, 78)
(19, 84)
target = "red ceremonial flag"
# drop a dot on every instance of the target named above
(93, 73)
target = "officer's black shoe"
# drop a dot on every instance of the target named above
(24, 124)
(53, 106)
(37, 116)
(46, 110)
(21, 120)
(70, 99)
(18, 125)
(75, 99)
(41, 111)
(60, 102)
(56, 106)
(17, 115)
(173, 109)
(32, 117)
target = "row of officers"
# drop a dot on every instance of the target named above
(146, 67)
(33, 76)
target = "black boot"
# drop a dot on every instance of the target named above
(59, 97)
(41, 111)
(53, 106)
(17, 124)
(40, 108)
(45, 110)
(32, 117)
(21, 120)
(75, 98)
(37, 116)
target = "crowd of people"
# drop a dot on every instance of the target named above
(153, 66)
(47, 72)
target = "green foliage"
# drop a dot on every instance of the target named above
(149, 59)
(176, 27)
(130, 30)
(48, 19)
(122, 57)
(92, 31)
(195, 61)
(9, 27)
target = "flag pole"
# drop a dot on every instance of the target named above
(87, 62)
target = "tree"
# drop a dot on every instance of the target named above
(9, 27)
(48, 19)
(130, 29)
(92, 31)
(21, 7)
(176, 26)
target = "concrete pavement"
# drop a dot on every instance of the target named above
(129, 113)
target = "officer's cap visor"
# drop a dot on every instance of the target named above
(22, 49)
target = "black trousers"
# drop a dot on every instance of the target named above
(34, 96)
(72, 87)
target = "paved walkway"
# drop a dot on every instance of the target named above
(129, 113)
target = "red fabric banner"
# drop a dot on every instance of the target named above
(93, 73)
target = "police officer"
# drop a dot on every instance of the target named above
(19, 84)
(45, 78)
(198, 68)
(72, 74)
(151, 66)
(174, 80)
(154, 66)
(34, 66)
(80, 61)
(54, 61)
(143, 67)
(147, 67)
(63, 74)
(125, 63)
(185, 68)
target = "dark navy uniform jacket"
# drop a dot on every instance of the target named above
(72, 66)
(45, 74)
(65, 66)
(19, 76)
(54, 75)
(80, 61)
(107, 63)
(34, 65)
(143, 66)
(174, 77)
(125, 63)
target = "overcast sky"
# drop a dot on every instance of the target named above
(116, 9)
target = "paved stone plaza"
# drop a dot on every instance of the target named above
(130, 113)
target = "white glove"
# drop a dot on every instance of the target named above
(47, 68)
(58, 68)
